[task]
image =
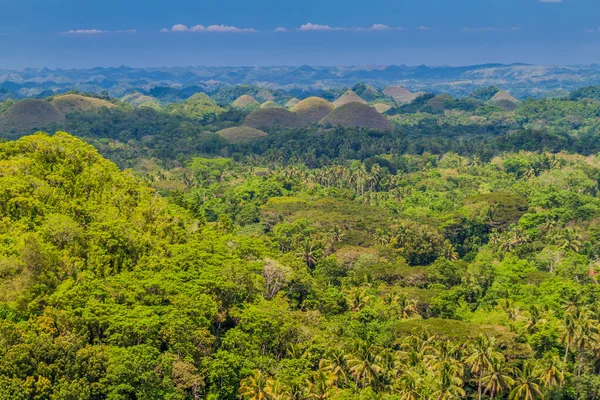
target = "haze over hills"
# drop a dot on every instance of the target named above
(520, 79)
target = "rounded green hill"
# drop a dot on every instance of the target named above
(357, 115)
(241, 134)
(400, 94)
(76, 103)
(245, 101)
(265, 95)
(270, 104)
(292, 102)
(312, 109)
(348, 97)
(28, 115)
(382, 108)
(267, 118)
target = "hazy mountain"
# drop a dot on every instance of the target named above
(520, 79)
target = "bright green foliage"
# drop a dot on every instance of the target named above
(404, 277)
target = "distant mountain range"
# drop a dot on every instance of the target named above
(521, 80)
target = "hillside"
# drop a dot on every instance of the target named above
(357, 115)
(312, 109)
(400, 94)
(27, 115)
(271, 118)
(198, 106)
(292, 102)
(503, 95)
(382, 108)
(241, 134)
(348, 97)
(270, 104)
(76, 103)
(245, 101)
(138, 99)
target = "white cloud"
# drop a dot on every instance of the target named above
(491, 29)
(95, 31)
(316, 27)
(179, 28)
(84, 32)
(280, 29)
(595, 30)
(225, 28)
(210, 28)
(380, 27)
(424, 28)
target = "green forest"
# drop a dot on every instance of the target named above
(222, 247)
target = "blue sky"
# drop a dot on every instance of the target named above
(87, 33)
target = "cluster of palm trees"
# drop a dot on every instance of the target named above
(355, 177)
(420, 367)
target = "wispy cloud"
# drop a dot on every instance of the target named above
(95, 31)
(280, 29)
(424, 28)
(210, 28)
(491, 29)
(595, 30)
(380, 27)
(317, 27)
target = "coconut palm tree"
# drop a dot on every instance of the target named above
(335, 363)
(569, 333)
(569, 238)
(408, 387)
(364, 365)
(481, 359)
(255, 387)
(536, 318)
(319, 386)
(450, 382)
(408, 307)
(358, 299)
(277, 390)
(497, 379)
(527, 385)
(552, 372)
(309, 250)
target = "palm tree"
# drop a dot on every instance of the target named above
(552, 372)
(569, 238)
(535, 319)
(586, 329)
(277, 390)
(382, 237)
(450, 382)
(255, 387)
(358, 299)
(481, 359)
(527, 386)
(319, 386)
(414, 350)
(408, 308)
(497, 379)
(364, 365)
(309, 250)
(409, 386)
(569, 333)
(335, 363)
